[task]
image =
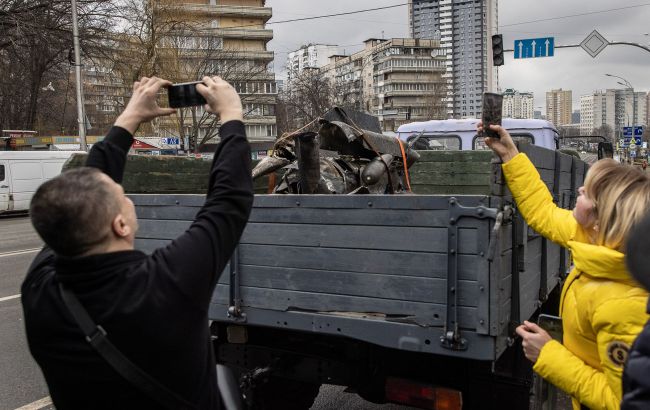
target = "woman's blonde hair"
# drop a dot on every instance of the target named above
(621, 197)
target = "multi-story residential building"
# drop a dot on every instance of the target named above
(518, 104)
(461, 26)
(308, 56)
(399, 80)
(559, 106)
(226, 38)
(613, 107)
(586, 114)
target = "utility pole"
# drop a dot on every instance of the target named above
(81, 120)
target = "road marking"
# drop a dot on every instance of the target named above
(10, 297)
(38, 404)
(24, 251)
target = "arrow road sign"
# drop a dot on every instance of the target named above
(535, 47)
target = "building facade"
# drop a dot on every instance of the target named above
(615, 108)
(195, 38)
(461, 26)
(518, 104)
(399, 80)
(559, 106)
(308, 56)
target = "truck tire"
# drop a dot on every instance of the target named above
(285, 394)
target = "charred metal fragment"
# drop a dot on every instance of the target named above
(308, 162)
(340, 159)
(269, 164)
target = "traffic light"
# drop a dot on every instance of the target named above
(497, 50)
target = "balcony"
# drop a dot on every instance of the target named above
(206, 10)
(244, 33)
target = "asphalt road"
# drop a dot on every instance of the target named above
(22, 382)
(23, 386)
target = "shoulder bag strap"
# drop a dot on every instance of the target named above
(97, 337)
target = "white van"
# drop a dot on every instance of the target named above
(22, 172)
(461, 134)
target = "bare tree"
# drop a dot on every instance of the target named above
(37, 37)
(309, 95)
(160, 38)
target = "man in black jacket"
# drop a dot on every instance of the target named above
(154, 308)
(636, 376)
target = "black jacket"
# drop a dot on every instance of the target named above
(636, 377)
(154, 308)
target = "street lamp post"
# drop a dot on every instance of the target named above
(77, 62)
(628, 85)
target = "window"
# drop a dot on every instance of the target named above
(478, 143)
(2, 173)
(436, 142)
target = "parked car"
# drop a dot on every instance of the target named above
(22, 172)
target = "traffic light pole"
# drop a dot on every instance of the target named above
(490, 30)
(612, 43)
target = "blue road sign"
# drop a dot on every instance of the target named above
(627, 131)
(171, 141)
(635, 132)
(535, 47)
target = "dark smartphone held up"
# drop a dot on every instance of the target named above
(492, 108)
(184, 95)
(552, 324)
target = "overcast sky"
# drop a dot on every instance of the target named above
(571, 68)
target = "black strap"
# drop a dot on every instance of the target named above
(97, 337)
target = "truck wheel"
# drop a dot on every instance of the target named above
(285, 394)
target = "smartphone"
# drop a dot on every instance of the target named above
(552, 324)
(492, 109)
(184, 95)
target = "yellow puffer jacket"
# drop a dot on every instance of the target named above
(603, 309)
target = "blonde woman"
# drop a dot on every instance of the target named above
(603, 308)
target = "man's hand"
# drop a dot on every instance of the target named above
(222, 99)
(504, 146)
(533, 339)
(143, 105)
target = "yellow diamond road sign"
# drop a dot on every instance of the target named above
(594, 43)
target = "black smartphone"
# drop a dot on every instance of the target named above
(552, 324)
(492, 109)
(184, 95)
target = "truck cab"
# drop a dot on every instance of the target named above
(460, 135)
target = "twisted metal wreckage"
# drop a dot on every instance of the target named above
(341, 158)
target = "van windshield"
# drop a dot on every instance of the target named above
(436, 142)
(479, 145)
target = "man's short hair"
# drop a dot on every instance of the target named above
(73, 212)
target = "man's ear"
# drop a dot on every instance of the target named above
(120, 227)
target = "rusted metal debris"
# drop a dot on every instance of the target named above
(341, 158)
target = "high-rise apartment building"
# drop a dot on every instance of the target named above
(309, 56)
(518, 104)
(195, 38)
(461, 27)
(559, 107)
(613, 107)
(399, 80)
